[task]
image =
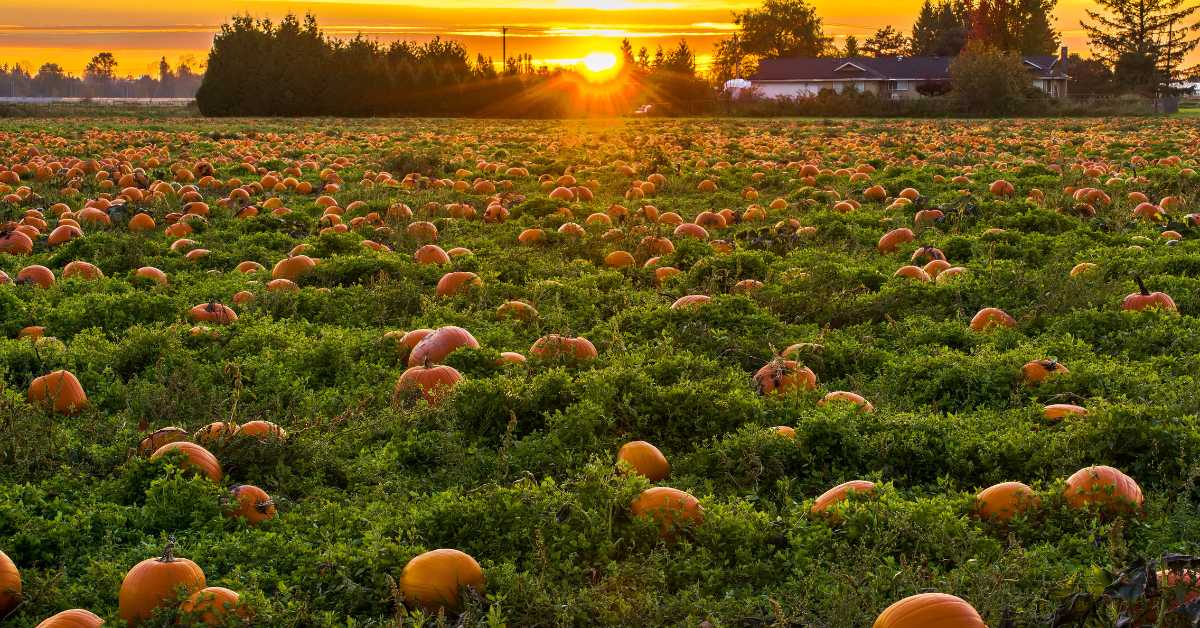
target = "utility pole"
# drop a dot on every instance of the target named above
(503, 47)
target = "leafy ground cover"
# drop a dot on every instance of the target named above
(516, 463)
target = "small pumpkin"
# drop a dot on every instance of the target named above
(210, 606)
(457, 282)
(154, 582)
(670, 508)
(260, 430)
(1004, 501)
(293, 268)
(1036, 371)
(435, 346)
(431, 254)
(212, 312)
(555, 346)
(930, 610)
(517, 309)
(195, 457)
(250, 503)
(160, 437)
(1143, 299)
(828, 501)
(893, 239)
(60, 390)
(433, 382)
(846, 396)
(214, 432)
(434, 580)
(645, 459)
(690, 301)
(74, 618)
(10, 585)
(784, 376)
(990, 317)
(1056, 411)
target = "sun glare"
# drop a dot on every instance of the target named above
(600, 65)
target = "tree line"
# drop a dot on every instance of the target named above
(291, 68)
(100, 80)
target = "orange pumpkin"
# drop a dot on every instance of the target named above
(153, 583)
(517, 309)
(82, 270)
(37, 275)
(251, 503)
(59, 390)
(1036, 371)
(435, 346)
(213, 432)
(212, 312)
(990, 317)
(261, 430)
(670, 508)
(431, 254)
(456, 282)
(433, 382)
(829, 500)
(1143, 299)
(15, 242)
(893, 239)
(74, 618)
(783, 376)
(10, 585)
(160, 437)
(151, 273)
(293, 268)
(785, 431)
(645, 459)
(1061, 410)
(930, 610)
(690, 301)
(1103, 486)
(195, 457)
(555, 346)
(1003, 501)
(210, 606)
(846, 396)
(434, 580)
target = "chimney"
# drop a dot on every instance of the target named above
(1062, 68)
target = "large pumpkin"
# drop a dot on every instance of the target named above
(645, 459)
(74, 618)
(59, 390)
(782, 376)
(155, 582)
(930, 610)
(195, 457)
(434, 347)
(433, 382)
(434, 580)
(1106, 487)
(250, 503)
(669, 507)
(1003, 501)
(10, 585)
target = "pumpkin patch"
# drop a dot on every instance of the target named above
(624, 372)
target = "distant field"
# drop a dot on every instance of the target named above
(777, 306)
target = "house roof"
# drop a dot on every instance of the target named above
(879, 69)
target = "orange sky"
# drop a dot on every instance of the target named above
(69, 32)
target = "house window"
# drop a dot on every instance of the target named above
(900, 86)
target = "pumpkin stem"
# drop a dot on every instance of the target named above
(1141, 285)
(264, 505)
(168, 555)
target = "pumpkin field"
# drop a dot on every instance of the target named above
(708, 373)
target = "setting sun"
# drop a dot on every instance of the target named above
(600, 65)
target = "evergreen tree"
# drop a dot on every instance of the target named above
(1144, 41)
